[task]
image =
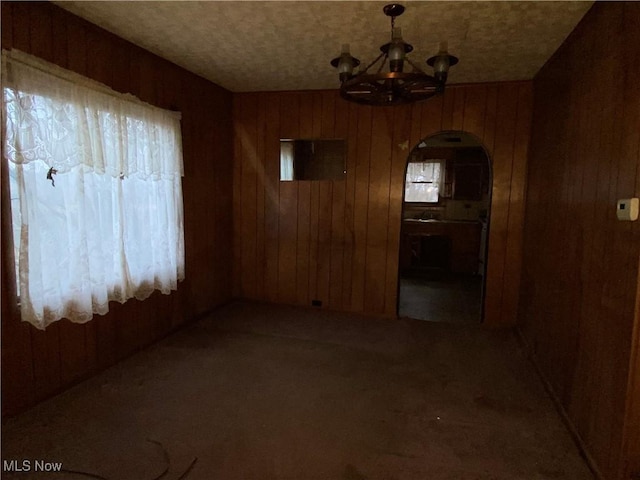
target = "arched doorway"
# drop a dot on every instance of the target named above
(445, 221)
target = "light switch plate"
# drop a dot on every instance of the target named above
(627, 209)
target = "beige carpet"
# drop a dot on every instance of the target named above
(259, 391)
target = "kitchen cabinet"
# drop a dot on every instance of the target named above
(445, 244)
(468, 182)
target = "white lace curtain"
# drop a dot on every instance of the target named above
(111, 228)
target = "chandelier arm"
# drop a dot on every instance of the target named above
(373, 63)
(416, 67)
(384, 61)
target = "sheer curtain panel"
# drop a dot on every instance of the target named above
(423, 181)
(96, 191)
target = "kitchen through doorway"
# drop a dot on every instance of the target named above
(445, 219)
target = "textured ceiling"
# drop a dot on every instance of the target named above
(272, 45)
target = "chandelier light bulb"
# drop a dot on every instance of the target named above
(441, 63)
(396, 51)
(441, 66)
(345, 63)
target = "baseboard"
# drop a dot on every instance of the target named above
(573, 431)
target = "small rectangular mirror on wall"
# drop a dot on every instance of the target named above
(317, 159)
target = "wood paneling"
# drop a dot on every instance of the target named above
(630, 464)
(338, 241)
(37, 364)
(580, 271)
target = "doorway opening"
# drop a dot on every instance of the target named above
(445, 219)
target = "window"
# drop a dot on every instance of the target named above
(423, 181)
(96, 193)
(319, 159)
(286, 160)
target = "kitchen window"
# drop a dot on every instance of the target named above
(423, 181)
(96, 192)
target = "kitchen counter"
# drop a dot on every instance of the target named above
(463, 237)
(433, 220)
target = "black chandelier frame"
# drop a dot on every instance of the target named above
(393, 87)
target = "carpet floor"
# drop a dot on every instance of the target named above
(257, 391)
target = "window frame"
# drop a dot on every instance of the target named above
(440, 182)
(161, 207)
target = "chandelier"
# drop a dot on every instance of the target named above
(395, 86)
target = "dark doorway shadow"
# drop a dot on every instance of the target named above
(445, 218)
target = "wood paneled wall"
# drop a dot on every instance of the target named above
(37, 364)
(580, 271)
(338, 241)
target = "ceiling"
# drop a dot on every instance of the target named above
(287, 45)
